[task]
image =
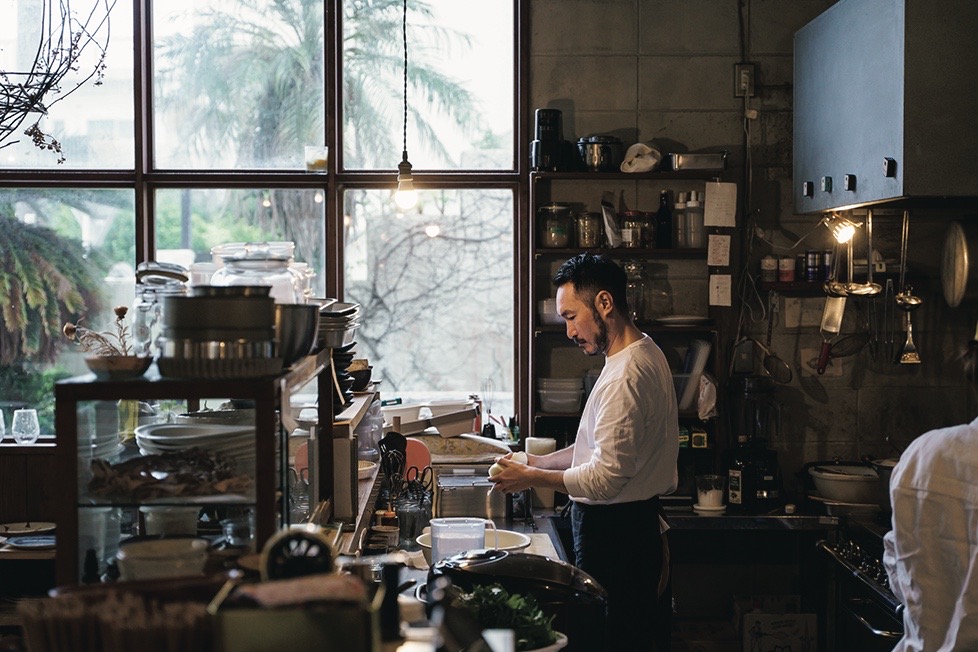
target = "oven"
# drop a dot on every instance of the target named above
(864, 614)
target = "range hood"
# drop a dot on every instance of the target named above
(886, 105)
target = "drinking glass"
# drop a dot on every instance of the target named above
(25, 427)
(3, 428)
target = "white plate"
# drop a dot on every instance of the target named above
(681, 320)
(172, 432)
(31, 542)
(19, 529)
(712, 509)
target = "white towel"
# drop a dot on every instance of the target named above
(640, 158)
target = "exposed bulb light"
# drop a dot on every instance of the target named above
(406, 197)
(432, 230)
(842, 229)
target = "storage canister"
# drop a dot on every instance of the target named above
(588, 230)
(632, 229)
(555, 225)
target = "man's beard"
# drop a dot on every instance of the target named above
(601, 339)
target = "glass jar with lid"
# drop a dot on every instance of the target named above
(554, 221)
(588, 227)
(637, 290)
(258, 264)
(633, 225)
(154, 281)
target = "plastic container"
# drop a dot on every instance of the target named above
(553, 400)
(452, 535)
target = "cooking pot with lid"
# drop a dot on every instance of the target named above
(884, 469)
(601, 153)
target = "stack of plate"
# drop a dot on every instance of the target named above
(98, 435)
(338, 323)
(235, 442)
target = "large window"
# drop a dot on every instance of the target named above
(204, 145)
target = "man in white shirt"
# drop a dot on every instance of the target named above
(623, 459)
(931, 554)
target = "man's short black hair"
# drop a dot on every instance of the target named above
(591, 273)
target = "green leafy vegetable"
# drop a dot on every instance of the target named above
(495, 608)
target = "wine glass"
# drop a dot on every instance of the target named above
(25, 427)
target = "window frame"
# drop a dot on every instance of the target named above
(144, 180)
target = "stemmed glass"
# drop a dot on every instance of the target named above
(25, 427)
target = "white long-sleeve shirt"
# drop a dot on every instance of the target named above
(628, 439)
(931, 554)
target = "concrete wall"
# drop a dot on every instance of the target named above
(662, 71)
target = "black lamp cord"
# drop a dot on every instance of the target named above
(404, 154)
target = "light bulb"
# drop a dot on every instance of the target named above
(841, 228)
(406, 197)
(432, 230)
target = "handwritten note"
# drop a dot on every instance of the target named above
(721, 204)
(718, 251)
(720, 289)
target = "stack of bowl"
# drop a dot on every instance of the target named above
(296, 330)
(219, 332)
(342, 357)
(338, 323)
(560, 394)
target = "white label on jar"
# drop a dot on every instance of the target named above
(629, 237)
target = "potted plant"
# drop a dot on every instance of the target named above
(113, 357)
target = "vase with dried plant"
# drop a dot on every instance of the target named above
(113, 357)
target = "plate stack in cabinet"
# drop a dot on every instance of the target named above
(675, 283)
(95, 410)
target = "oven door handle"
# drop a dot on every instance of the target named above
(849, 607)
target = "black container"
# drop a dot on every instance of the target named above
(549, 125)
(546, 155)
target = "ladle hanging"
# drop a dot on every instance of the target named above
(832, 286)
(906, 300)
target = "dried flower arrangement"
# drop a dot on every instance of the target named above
(103, 343)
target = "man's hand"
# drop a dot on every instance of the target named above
(510, 474)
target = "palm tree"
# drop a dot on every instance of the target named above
(249, 84)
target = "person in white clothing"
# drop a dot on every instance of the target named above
(931, 553)
(623, 459)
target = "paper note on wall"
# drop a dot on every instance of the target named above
(718, 251)
(721, 204)
(720, 289)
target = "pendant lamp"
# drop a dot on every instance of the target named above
(406, 196)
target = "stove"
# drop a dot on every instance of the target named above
(866, 614)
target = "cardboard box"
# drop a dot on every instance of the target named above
(773, 623)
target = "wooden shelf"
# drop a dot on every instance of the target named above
(664, 175)
(624, 252)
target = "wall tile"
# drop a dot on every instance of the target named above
(689, 27)
(589, 83)
(583, 27)
(675, 131)
(678, 83)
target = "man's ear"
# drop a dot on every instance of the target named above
(604, 303)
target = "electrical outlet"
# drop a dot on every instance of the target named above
(743, 80)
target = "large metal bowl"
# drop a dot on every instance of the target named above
(296, 329)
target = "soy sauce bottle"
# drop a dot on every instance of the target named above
(663, 222)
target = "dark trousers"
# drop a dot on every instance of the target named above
(620, 546)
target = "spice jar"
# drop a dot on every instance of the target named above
(588, 230)
(555, 225)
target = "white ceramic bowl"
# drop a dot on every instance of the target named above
(846, 484)
(508, 540)
(158, 558)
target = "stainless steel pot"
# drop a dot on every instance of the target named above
(601, 153)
